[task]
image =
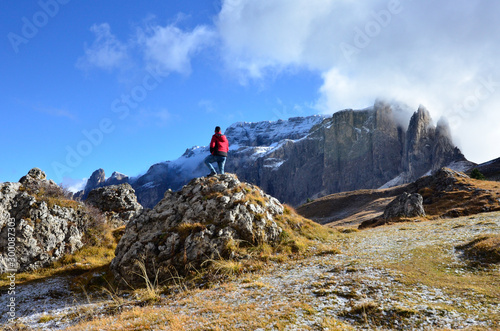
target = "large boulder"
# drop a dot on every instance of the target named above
(198, 223)
(38, 225)
(117, 202)
(405, 205)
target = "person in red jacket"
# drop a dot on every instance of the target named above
(219, 146)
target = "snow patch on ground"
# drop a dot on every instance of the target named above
(399, 180)
(461, 166)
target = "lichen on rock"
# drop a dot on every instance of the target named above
(117, 202)
(46, 224)
(194, 225)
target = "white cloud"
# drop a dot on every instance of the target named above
(438, 54)
(106, 52)
(166, 48)
(421, 52)
(74, 185)
(170, 49)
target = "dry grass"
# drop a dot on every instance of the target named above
(430, 267)
(87, 259)
(483, 249)
(206, 312)
(51, 194)
(185, 229)
(390, 277)
(466, 197)
(300, 237)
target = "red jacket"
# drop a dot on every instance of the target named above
(219, 145)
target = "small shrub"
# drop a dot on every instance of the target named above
(51, 194)
(226, 267)
(45, 318)
(476, 174)
(97, 231)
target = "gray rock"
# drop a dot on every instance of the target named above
(117, 202)
(40, 234)
(196, 224)
(96, 180)
(33, 175)
(406, 205)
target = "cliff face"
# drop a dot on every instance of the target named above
(309, 157)
(353, 150)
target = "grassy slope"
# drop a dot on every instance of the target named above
(408, 275)
(352, 208)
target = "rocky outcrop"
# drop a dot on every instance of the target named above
(444, 194)
(353, 150)
(38, 224)
(196, 224)
(406, 205)
(117, 202)
(97, 179)
(443, 180)
(427, 147)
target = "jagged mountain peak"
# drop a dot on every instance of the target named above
(308, 157)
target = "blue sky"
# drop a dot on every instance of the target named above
(121, 85)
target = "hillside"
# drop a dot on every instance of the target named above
(446, 194)
(222, 254)
(491, 169)
(406, 276)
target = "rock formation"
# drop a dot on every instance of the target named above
(117, 202)
(406, 205)
(38, 225)
(353, 150)
(310, 157)
(97, 179)
(446, 193)
(196, 224)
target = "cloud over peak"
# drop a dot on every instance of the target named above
(440, 54)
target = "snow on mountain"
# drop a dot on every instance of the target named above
(305, 157)
(266, 133)
(254, 138)
(248, 143)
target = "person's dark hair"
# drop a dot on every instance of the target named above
(217, 129)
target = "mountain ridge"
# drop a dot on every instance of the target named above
(309, 157)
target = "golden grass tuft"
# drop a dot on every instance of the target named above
(185, 229)
(45, 318)
(484, 249)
